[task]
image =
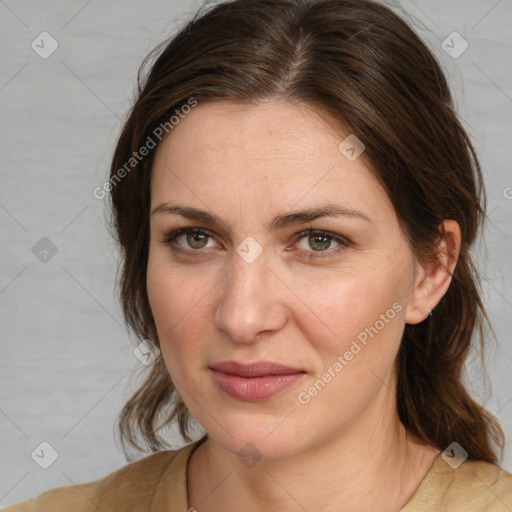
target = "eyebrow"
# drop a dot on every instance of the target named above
(280, 221)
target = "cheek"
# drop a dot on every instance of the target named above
(173, 292)
(355, 328)
(180, 308)
(365, 304)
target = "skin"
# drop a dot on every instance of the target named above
(345, 449)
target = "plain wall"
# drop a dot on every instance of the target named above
(67, 362)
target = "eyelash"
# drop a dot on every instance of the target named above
(311, 255)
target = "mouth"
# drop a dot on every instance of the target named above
(254, 381)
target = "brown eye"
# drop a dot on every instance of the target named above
(319, 242)
(316, 244)
(197, 240)
(187, 239)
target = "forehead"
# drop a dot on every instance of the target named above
(269, 154)
(269, 129)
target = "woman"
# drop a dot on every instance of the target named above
(295, 201)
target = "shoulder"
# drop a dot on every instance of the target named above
(488, 486)
(115, 491)
(474, 486)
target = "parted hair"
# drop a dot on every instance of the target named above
(363, 65)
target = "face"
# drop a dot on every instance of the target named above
(263, 269)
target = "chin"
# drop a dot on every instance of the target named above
(257, 437)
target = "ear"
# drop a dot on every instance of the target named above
(433, 279)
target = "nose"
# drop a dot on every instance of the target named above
(251, 301)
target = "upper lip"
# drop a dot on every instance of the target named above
(255, 369)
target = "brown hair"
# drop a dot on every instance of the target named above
(361, 64)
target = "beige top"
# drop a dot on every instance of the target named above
(157, 483)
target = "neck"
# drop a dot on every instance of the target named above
(374, 465)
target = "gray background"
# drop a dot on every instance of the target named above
(67, 362)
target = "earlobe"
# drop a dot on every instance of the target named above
(434, 278)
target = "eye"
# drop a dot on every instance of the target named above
(184, 239)
(320, 241)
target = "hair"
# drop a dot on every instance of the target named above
(361, 64)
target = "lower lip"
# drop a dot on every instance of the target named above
(255, 388)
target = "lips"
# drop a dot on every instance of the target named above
(256, 369)
(254, 381)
